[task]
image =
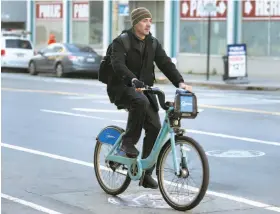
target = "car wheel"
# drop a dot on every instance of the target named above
(59, 70)
(32, 69)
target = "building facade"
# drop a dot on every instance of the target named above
(13, 14)
(181, 26)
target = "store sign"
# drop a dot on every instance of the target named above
(196, 9)
(80, 11)
(49, 10)
(237, 57)
(261, 10)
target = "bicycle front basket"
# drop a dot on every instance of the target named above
(185, 104)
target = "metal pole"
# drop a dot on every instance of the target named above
(208, 45)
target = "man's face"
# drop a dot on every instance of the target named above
(143, 27)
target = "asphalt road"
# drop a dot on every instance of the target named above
(48, 132)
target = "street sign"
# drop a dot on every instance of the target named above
(237, 60)
(123, 10)
(210, 7)
(198, 9)
(261, 10)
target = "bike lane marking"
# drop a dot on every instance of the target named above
(252, 140)
(209, 192)
(98, 96)
(29, 204)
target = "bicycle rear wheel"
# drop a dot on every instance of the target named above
(185, 176)
(117, 172)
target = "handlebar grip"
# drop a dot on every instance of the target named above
(161, 97)
(160, 94)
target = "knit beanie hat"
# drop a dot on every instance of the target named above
(138, 14)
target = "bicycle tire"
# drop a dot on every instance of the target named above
(205, 181)
(106, 189)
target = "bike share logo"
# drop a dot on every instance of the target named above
(185, 103)
(109, 136)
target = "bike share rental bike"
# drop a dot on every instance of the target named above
(171, 140)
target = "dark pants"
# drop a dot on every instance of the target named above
(141, 115)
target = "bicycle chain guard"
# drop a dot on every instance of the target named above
(135, 170)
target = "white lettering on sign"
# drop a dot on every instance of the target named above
(261, 9)
(200, 9)
(248, 7)
(199, 6)
(80, 10)
(50, 11)
(236, 48)
(268, 8)
(185, 8)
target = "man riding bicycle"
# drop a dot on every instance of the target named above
(134, 70)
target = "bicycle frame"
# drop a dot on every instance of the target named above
(147, 163)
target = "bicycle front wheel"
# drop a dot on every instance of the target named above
(183, 192)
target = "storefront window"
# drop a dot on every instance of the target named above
(265, 42)
(274, 35)
(96, 23)
(261, 27)
(80, 22)
(87, 23)
(194, 28)
(49, 20)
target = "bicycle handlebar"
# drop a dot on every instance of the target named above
(160, 94)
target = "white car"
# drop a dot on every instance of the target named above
(16, 49)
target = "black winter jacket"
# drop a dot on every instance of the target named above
(135, 65)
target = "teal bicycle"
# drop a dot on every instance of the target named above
(171, 140)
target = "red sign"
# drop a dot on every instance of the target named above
(80, 11)
(49, 10)
(261, 10)
(196, 10)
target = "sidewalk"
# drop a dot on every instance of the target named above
(216, 81)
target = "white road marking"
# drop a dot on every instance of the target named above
(235, 153)
(99, 110)
(103, 102)
(71, 114)
(217, 194)
(112, 111)
(234, 137)
(49, 155)
(87, 97)
(29, 204)
(210, 101)
(187, 130)
(103, 110)
(53, 79)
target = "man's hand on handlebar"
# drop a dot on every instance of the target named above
(137, 84)
(185, 87)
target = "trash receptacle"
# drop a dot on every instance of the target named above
(225, 60)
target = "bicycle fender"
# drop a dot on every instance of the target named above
(109, 134)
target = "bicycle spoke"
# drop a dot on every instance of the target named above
(112, 179)
(178, 188)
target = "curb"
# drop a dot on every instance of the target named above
(222, 85)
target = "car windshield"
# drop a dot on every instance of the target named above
(79, 48)
(18, 43)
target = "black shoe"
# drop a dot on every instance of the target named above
(149, 182)
(129, 150)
